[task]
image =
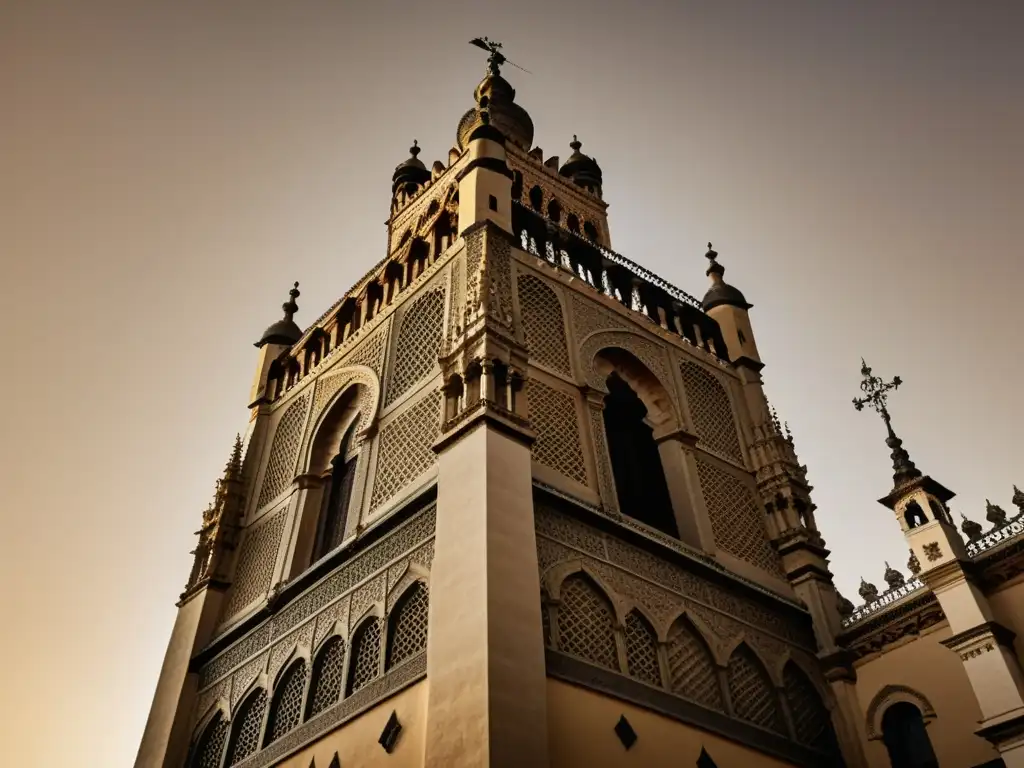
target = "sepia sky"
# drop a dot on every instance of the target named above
(168, 169)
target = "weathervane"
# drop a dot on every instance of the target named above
(497, 58)
(876, 394)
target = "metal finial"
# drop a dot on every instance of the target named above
(415, 148)
(575, 144)
(876, 395)
(290, 307)
(714, 270)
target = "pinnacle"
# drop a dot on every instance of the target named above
(234, 466)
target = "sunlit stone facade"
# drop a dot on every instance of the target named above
(516, 501)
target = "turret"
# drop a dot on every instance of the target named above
(983, 645)
(275, 340)
(728, 307)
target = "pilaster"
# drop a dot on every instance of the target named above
(487, 701)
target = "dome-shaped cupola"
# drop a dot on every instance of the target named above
(582, 170)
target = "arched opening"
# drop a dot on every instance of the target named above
(555, 211)
(393, 278)
(905, 737)
(443, 229)
(407, 627)
(248, 722)
(636, 463)
(286, 706)
(418, 253)
(328, 671)
(914, 515)
(589, 230)
(517, 185)
(572, 223)
(365, 660)
(586, 622)
(210, 748)
(337, 496)
(536, 198)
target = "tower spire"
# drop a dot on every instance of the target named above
(876, 394)
(284, 331)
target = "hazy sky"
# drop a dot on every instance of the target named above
(168, 169)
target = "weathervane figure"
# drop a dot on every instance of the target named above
(876, 395)
(497, 58)
(876, 392)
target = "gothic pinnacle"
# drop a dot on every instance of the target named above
(971, 529)
(995, 514)
(233, 470)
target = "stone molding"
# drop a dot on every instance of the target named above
(889, 695)
(571, 670)
(399, 546)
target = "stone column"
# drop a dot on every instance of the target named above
(675, 449)
(487, 701)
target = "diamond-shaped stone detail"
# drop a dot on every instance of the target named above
(625, 732)
(705, 761)
(389, 735)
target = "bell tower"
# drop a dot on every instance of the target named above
(984, 646)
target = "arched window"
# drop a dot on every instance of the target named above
(365, 655)
(692, 671)
(636, 464)
(555, 211)
(642, 649)
(328, 671)
(407, 633)
(337, 496)
(536, 198)
(914, 515)
(209, 749)
(246, 737)
(905, 737)
(589, 230)
(811, 719)
(586, 623)
(286, 709)
(573, 223)
(752, 692)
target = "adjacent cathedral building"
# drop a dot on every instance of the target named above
(516, 501)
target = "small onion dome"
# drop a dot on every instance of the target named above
(867, 591)
(893, 578)
(995, 514)
(284, 331)
(721, 293)
(972, 530)
(495, 95)
(412, 171)
(582, 170)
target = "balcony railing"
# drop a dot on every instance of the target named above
(617, 277)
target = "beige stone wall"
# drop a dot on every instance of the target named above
(581, 733)
(716, 497)
(1008, 608)
(356, 742)
(930, 670)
